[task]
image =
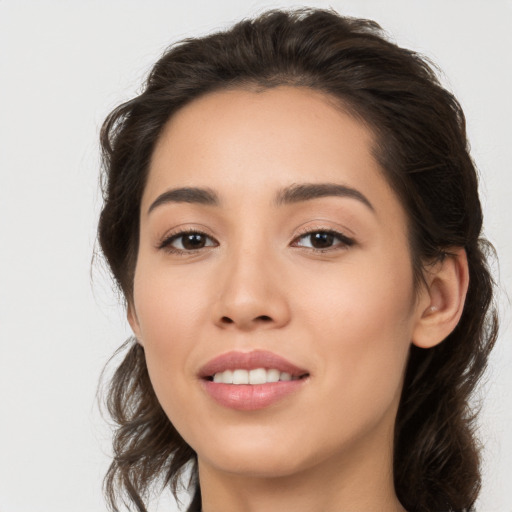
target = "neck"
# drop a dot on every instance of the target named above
(356, 481)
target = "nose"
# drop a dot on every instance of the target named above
(251, 295)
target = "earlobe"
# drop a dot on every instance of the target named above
(134, 322)
(447, 285)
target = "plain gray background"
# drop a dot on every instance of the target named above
(63, 66)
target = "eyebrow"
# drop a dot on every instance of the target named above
(295, 193)
(196, 195)
(307, 191)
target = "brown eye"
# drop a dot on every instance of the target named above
(321, 240)
(190, 241)
(193, 241)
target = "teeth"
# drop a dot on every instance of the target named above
(273, 375)
(240, 377)
(224, 377)
(257, 376)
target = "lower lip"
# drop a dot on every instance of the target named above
(250, 397)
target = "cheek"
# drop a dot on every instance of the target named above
(170, 311)
(362, 295)
(168, 303)
(362, 323)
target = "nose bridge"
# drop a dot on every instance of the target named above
(248, 272)
(250, 294)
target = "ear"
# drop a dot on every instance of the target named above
(131, 314)
(443, 299)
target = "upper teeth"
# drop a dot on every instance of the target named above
(257, 376)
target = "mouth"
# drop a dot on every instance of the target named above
(253, 377)
(249, 381)
(253, 368)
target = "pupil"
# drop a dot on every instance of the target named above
(193, 241)
(322, 240)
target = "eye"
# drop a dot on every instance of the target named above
(187, 241)
(322, 240)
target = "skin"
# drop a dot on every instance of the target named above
(347, 314)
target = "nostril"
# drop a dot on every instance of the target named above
(262, 318)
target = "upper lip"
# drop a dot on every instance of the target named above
(249, 361)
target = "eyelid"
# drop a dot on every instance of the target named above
(346, 241)
(165, 242)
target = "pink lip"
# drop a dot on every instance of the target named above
(249, 361)
(246, 397)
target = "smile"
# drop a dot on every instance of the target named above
(252, 377)
(249, 381)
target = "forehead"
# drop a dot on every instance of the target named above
(250, 142)
(292, 119)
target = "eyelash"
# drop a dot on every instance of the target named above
(166, 243)
(344, 240)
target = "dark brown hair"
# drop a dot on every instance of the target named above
(422, 148)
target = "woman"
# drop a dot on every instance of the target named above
(292, 216)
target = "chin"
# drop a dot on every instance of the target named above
(263, 454)
(246, 463)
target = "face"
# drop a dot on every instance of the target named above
(272, 247)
